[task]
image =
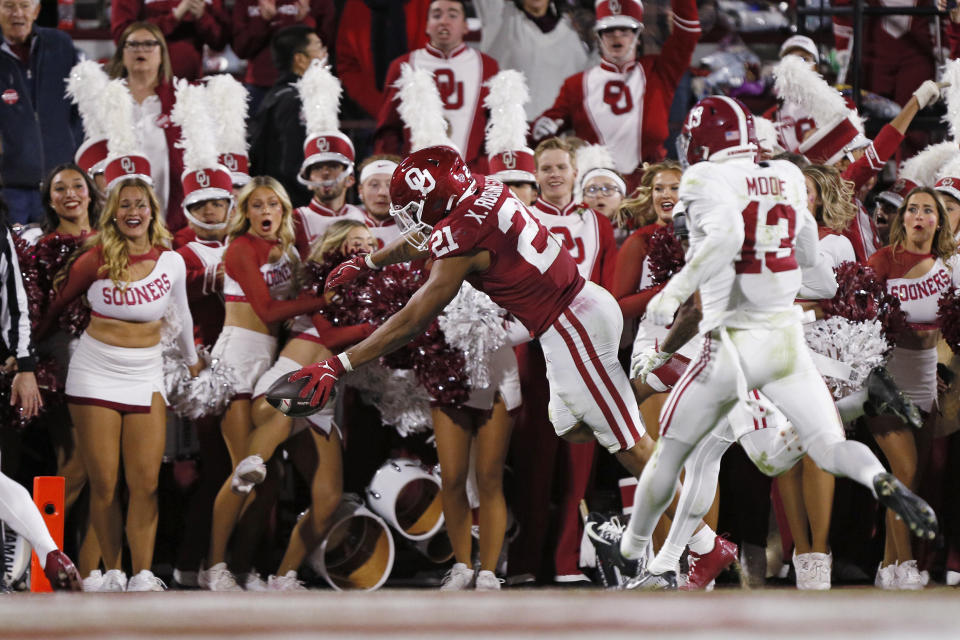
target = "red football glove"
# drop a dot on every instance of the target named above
(323, 375)
(346, 271)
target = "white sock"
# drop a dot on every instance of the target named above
(667, 558)
(851, 406)
(18, 510)
(632, 546)
(702, 541)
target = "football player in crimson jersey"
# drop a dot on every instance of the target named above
(750, 234)
(475, 230)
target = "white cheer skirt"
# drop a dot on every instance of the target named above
(119, 378)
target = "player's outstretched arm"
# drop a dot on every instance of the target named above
(394, 253)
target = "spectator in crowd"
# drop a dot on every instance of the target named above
(791, 121)
(537, 38)
(626, 98)
(114, 387)
(187, 25)
(257, 22)
(39, 128)
(277, 131)
(459, 71)
(374, 193)
(143, 59)
(371, 35)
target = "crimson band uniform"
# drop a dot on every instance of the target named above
(627, 108)
(385, 231)
(459, 76)
(586, 234)
(312, 221)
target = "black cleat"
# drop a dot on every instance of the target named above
(646, 581)
(911, 508)
(605, 533)
(884, 397)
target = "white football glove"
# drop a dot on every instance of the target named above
(545, 127)
(642, 363)
(662, 308)
(927, 93)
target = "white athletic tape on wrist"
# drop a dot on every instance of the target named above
(367, 260)
(345, 361)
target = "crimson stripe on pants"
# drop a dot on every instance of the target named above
(684, 383)
(604, 376)
(585, 376)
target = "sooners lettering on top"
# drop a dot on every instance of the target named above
(929, 286)
(140, 294)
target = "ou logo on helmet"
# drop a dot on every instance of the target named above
(615, 6)
(696, 116)
(509, 159)
(420, 180)
(203, 180)
(229, 161)
(323, 145)
(128, 165)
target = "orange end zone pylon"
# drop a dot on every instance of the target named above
(48, 496)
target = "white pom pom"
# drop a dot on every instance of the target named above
(85, 86)
(950, 168)
(951, 74)
(320, 93)
(118, 112)
(403, 403)
(507, 127)
(228, 102)
(796, 82)
(860, 345)
(421, 108)
(922, 168)
(198, 131)
(473, 323)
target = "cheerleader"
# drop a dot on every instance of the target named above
(114, 386)
(259, 288)
(914, 267)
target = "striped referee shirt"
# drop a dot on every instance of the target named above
(14, 316)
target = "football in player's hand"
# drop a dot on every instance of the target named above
(284, 396)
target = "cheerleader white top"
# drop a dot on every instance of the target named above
(920, 296)
(143, 300)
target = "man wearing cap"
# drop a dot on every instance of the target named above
(39, 128)
(516, 168)
(277, 132)
(374, 192)
(624, 102)
(459, 71)
(327, 170)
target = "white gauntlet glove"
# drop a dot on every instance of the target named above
(927, 93)
(545, 127)
(662, 308)
(642, 363)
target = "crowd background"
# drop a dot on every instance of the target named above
(729, 48)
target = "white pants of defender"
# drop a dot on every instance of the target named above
(587, 383)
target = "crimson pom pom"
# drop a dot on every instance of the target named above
(39, 265)
(948, 316)
(862, 296)
(665, 254)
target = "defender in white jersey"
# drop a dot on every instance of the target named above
(750, 233)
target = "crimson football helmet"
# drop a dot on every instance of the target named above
(717, 128)
(425, 187)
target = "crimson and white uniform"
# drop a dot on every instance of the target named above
(578, 323)
(313, 220)
(124, 378)
(459, 76)
(626, 109)
(385, 231)
(586, 234)
(250, 276)
(204, 287)
(915, 370)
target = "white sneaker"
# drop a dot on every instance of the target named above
(92, 582)
(253, 582)
(459, 577)
(909, 577)
(488, 581)
(250, 472)
(146, 581)
(218, 578)
(186, 578)
(813, 570)
(886, 577)
(113, 581)
(288, 582)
